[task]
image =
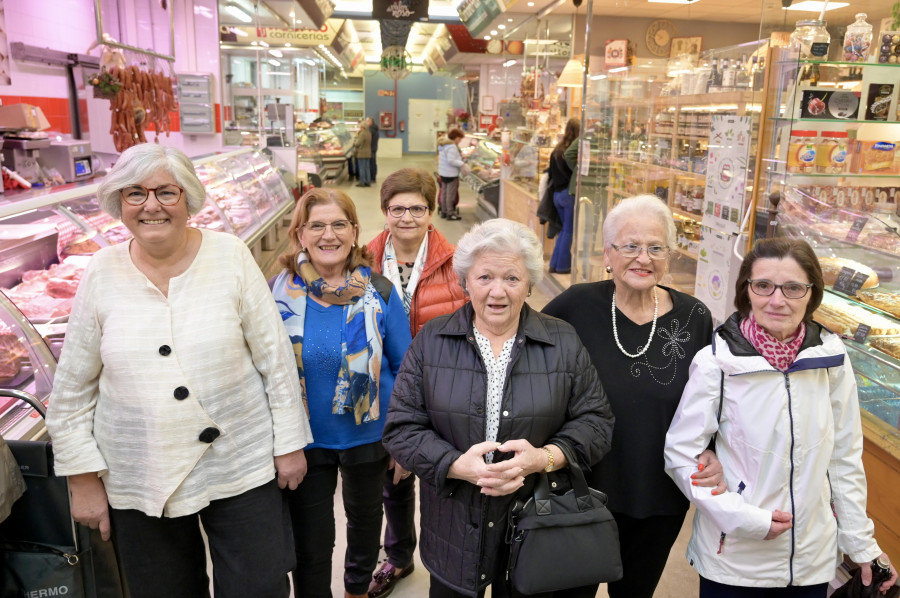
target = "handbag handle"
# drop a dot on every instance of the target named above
(576, 476)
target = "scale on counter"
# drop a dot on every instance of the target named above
(71, 157)
(21, 155)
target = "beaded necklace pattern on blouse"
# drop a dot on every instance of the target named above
(652, 328)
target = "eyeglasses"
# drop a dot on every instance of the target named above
(136, 195)
(399, 211)
(656, 252)
(337, 227)
(791, 290)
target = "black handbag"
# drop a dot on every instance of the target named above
(854, 588)
(43, 552)
(562, 541)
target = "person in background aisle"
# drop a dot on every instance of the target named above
(349, 333)
(419, 261)
(373, 161)
(363, 153)
(641, 338)
(485, 398)
(561, 175)
(450, 161)
(778, 393)
(174, 403)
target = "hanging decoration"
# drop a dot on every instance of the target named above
(396, 62)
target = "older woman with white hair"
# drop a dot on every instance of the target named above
(486, 396)
(641, 337)
(176, 400)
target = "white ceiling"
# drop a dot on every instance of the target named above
(278, 13)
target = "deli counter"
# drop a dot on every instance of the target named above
(47, 237)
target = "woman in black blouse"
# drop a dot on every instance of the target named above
(641, 337)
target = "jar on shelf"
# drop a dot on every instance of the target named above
(831, 152)
(801, 156)
(858, 40)
(811, 39)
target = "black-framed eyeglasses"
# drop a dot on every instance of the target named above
(791, 290)
(136, 195)
(656, 252)
(416, 211)
(337, 227)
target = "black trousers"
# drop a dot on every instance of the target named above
(312, 513)
(713, 589)
(373, 166)
(399, 513)
(645, 544)
(251, 553)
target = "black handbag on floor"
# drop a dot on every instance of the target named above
(43, 552)
(562, 541)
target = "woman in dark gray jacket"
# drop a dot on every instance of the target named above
(485, 397)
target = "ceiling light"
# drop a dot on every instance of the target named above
(618, 69)
(487, 37)
(572, 74)
(494, 32)
(238, 13)
(238, 32)
(254, 43)
(501, 26)
(263, 44)
(509, 20)
(509, 63)
(287, 45)
(276, 53)
(531, 4)
(816, 6)
(596, 77)
(274, 62)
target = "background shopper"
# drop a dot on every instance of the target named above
(174, 401)
(362, 150)
(373, 161)
(418, 260)
(449, 164)
(484, 399)
(563, 199)
(641, 337)
(349, 333)
(788, 435)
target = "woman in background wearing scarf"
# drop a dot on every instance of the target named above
(349, 332)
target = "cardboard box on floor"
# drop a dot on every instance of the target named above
(23, 117)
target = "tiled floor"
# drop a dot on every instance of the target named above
(679, 580)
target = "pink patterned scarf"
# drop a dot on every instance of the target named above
(780, 354)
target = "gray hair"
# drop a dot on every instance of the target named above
(142, 161)
(502, 236)
(643, 207)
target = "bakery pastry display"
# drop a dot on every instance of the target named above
(845, 319)
(831, 268)
(889, 345)
(889, 302)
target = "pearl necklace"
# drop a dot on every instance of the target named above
(652, 328)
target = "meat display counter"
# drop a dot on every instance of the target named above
(47, 238)
(325, 151)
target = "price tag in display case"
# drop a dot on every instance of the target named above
(862, 331)
(856, 228)
(849, 281)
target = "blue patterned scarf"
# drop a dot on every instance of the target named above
(356, 388)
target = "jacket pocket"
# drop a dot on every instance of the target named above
(723, 535)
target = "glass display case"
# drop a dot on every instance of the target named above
(482, 166)
(325, 151)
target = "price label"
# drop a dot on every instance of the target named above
(856, 228)
(861, 333)
(819, 49)
(849, 281)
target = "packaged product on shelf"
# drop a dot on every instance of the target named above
(802, 152)
(877, 157)
(829, 104)
(831, 152)
(879, 101)
(858, 40)
(889, 50)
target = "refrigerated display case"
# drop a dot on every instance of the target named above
(325, 152)
(836, 179)
(481, 172)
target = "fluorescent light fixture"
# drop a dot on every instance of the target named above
(274, 62)
(254, 43)
(531, 4)
(238, 32)
(509, 63)
(618, 69)
(278, 74)
(264, 44)
(276, 53)
(509, 20)
(238, 13)
(287, 45)
(815, 6)
(596, 77)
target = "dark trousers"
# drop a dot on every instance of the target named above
(561, 259)
(399, 514)
(373, 166)
(712, 589)
(251, 553)
(449, 198)
(312, 513)
(362, 170)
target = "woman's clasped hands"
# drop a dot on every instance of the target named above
(504, 477)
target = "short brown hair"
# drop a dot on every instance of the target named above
(781, 248)
(409, 180)
(455, 134)
(359, 255)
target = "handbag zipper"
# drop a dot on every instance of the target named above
(71, 558)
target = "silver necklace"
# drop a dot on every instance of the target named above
(652, 328)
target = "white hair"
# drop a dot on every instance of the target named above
(142, 161)
(641, 207)
(502, 236)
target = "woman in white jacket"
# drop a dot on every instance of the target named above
(778, 393)
(450, 161)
